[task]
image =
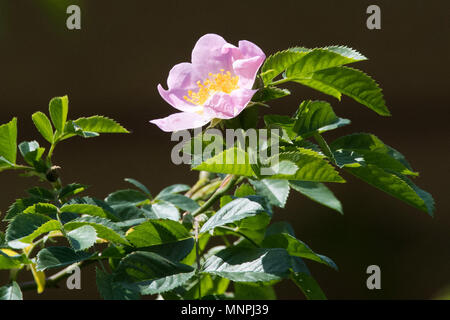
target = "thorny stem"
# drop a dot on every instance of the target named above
(203, 179)
(197, 258)
(227, 184)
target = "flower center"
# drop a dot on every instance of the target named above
(219, 82)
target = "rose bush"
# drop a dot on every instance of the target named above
(160, 245)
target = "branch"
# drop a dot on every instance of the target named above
(52, 282)
(227, 184)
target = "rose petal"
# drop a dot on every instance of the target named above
(226, 106)
(208, 56)
(181, 121)
(248, 64)
(181, 79)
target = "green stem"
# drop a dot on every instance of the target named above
(203, 179)
(50, 152)
(227, 184)
(13, 274)
(207, 190)
(52, 282)
(20, 167)
(197, 258)
(274, 83)
(34, 245)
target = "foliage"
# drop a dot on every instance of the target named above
(161, 245)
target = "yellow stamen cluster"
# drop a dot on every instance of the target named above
(219, 82)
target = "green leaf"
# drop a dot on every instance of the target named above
(251, 291)
(351, 82)
(254, 227)
(276, 191)
(176, 188)
(280, 61)
(142, 266)
(285, 123)
(11, 292)
(175, 251)
(244, 190)
(8, 141)
(43, 125)
(180, 201)
(373, 151)
(44, 208)
(303, 164)
(55, 257)
(164, 284)
(19, 206)
(348, 158)
(128, 196)
(10, 261)
(100, 124)
(72, 129)
(319, 59)
(296, 248)
(224, 200)
(210, 285)
(234, 211)
(105, 229)
(31, 152)
(308, 285)
(231, 161)
(270, 93)
(203, 240)
(26, 227)
(155, 232)
(249, 265)
(316, 116)
(71, 190)
(247, 119)
(89, 209)
(128, 212)
(58, 108)
(317, 192)
(164, 210)
(41, 193)
(139, 185)
(110, 289)
(280, 227)
(396, 185)
(5, 164)
(384, 168)
(82, 238)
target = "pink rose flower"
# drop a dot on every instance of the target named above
(216, 84)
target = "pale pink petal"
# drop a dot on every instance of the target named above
(209, 55)
(181, 121)
(247, 64)
(175, 98)
(181, 79)
(226, 106)
(249, 49)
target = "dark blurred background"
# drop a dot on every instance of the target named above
(125, 48)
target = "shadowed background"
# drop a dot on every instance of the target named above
(125, 48)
